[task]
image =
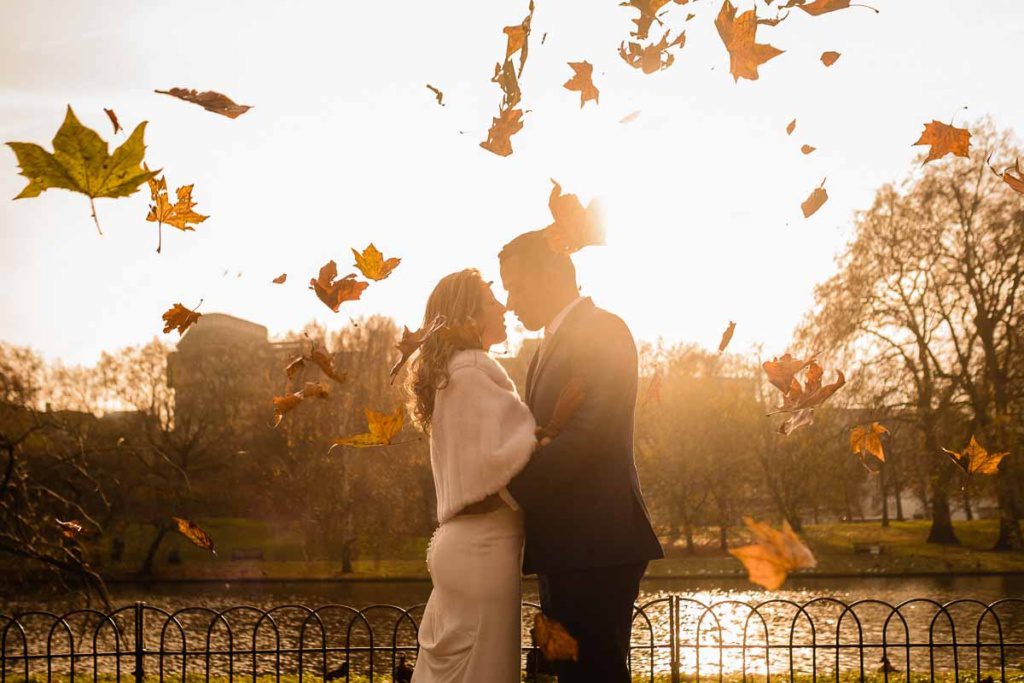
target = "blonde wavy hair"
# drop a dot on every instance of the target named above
(457, 299)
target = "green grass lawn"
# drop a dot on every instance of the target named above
(903, 544)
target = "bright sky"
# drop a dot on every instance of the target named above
(345, 145)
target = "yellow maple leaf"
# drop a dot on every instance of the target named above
(773, 555)
(163, 212)
(372, 265)
(382, 429)
(866, 440)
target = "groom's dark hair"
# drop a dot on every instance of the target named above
(532, 251)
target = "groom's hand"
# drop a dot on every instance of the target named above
(569, 400)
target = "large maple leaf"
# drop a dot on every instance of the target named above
(975, 459)
(944, 139)
(372, 264)
(177, 317)
(739, 34)
(81, 162)
(867, 440)
(382, 429)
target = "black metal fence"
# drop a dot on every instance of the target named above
(675, 637)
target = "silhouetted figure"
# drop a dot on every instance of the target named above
(403, 672)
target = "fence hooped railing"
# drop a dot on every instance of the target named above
(674, 637)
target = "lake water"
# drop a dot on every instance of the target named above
(722, 624)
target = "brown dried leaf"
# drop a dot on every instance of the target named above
(71, 528)
(438, 95)
(726, 336)
(194, 533)
(818, 7)
(412, 341)
(791, 127)
(554, 641)
(503, 127)
(1014, 177)
(113, 120)
(867, 440)
(653, 57)
(334, 292)
(829, 58)
(739, 34)
(574, 227)
(210, 101)
(807, 149)
(781, 371)
(648, 15)
(279, 280)
(177, 317)
(814, 202)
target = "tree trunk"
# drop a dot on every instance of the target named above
(1010, 537)
(942, 521)
(147, 564)
(898, 490)
(968, 512)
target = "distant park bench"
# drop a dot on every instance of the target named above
(247, 554)
(868, 548)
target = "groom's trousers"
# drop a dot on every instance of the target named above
(596, 606)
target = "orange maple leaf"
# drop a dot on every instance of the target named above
(503, 127)
(194, 533)
(812, 393)
(867, 440)
(412, 341)
(815, 201)
(739, 35)
(574, 227)
(773, 555)
(654, 57)
(372, 265)
(944, 139)
(383, 427)
(648, 15)
(178, 215)
(554, 640)
(583, 82)
(332, 291)
(975, 459)
(180, 318)
(781, 370)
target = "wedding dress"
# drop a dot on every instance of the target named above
(481, 435)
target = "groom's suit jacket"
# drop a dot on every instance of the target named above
(580, 494)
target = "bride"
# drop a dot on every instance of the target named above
(481, 435)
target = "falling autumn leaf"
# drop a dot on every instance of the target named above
(773, 555)
(518, 38)
(829, 58)
(739, 34)
(315, 390)
(209, 100)
(296, 366)
(814, 202)
(654, 57)
(332, 291)
(944, 139)
(383, 427)
(648, 15)
(412, 341)
(631, 117)
(438, 95)
(326, 364)
(975, 459)
(801, 418)
(507, 124)
(812, 393)
(284, 405)
(807, 149)
(194, 533)
(726, 336)
(71, 528)
(583, 82)
(177, 317)
(177, 215)
(113, 120)
(372, 265)
(824, 6)
(781, 371)
(574, 227)
(1014, 177)
(279, 280)
(867, 440)
(791, 127)
(80, 162)
(554, 641)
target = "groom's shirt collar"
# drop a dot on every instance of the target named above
(552, 326)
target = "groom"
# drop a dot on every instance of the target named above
(588, 534)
